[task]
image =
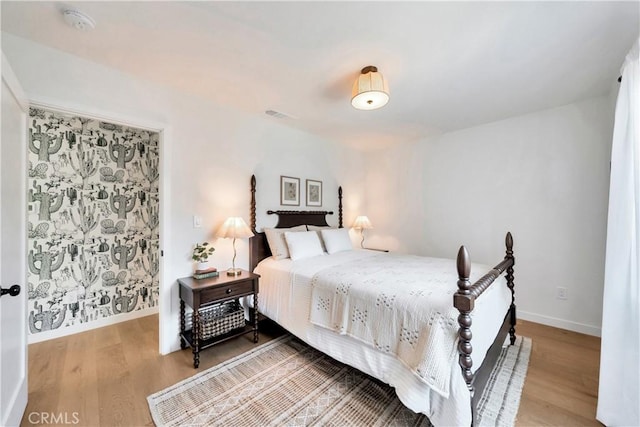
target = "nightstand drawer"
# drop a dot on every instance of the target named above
(229, 291)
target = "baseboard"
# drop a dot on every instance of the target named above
(82, 327)
(560, 323)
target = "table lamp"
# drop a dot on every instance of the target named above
(362, 223)
(234, 227)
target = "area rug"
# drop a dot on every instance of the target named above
(286, 382)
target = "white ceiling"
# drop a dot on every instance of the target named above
(449, 65)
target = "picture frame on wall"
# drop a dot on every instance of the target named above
(314, 192)
(289, 191)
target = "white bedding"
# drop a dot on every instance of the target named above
(286, 295)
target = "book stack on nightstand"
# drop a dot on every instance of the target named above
(206, 273)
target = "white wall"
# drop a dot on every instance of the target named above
(209, 155)
(543, 176)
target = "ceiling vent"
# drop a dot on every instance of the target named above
(78, 20)
(278, 114)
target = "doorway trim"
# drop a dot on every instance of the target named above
(19, 399)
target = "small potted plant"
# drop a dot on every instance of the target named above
(201, 253)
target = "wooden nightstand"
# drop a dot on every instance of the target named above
(203, 294)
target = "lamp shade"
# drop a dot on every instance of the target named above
(362, 223)
(370, 90)
(235, 227)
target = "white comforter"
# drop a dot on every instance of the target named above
(286, 297)
(409, 315)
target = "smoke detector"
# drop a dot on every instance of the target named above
(78, 20)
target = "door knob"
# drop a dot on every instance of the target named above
(12, 291)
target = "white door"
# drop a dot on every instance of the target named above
(13, 317)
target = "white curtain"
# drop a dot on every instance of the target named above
(618, 396)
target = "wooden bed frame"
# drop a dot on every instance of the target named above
(463, 300)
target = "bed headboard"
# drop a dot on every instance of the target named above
(258, 246)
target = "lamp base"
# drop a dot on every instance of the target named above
(234, 272)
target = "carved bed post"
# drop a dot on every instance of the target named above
(254, 242)
(253, 203)
(340, 207)
(509, 243)
(463, 300)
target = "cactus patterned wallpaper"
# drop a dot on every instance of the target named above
(93, 244)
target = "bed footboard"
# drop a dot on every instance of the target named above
(464, 301)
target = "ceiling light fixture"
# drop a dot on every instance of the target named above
(78, 20)
(370, 91)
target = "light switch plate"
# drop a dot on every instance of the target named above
(197, 221)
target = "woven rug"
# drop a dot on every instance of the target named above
(286, 382)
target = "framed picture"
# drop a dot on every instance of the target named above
(289, 191)
(314, 193)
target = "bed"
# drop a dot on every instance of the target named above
(337, 303)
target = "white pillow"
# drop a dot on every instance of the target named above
(277, 244)
(317, 229)
(303, 244)
(336, 240)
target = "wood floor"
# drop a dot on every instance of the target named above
(102, 377)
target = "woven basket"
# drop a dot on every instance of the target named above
(219, 319)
